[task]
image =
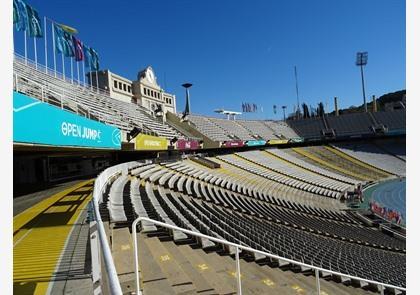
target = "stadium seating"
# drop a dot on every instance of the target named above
(310, 128)
(281, 129)
(351, 124)
(373, 155)
(184, 194)
(85, 101)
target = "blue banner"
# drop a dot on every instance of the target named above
(40, 123)
(255, 142)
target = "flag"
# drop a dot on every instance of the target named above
(95, 59)
(87, 56)
(63, 41)
(78, 49)
(15, 12)
(21, 15)
(34, 23)
(69, 29)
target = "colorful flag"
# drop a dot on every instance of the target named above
(21, 15)
(63, 41)
(69, 29)
(15, 12)
(95, 59)
(87, 56)
(78, 49)
(34, 22)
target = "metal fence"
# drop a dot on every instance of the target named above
(106, 277)
(381, 286)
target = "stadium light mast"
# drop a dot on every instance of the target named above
(361, 60)
(187, 100)
(284, 112)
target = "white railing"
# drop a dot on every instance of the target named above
(42, 68)
(102, 249)
(238, 247)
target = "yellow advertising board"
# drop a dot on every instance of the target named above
(146, 142)
(278, 141)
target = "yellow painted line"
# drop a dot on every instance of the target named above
(268, 282)
(328, 164)
(202, 266)
(164, 258)
(40, 234)
(23, 217)
(356, 161)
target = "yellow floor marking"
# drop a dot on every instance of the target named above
(324, 293)
(356, 161)
(202, 266)
(268, 282)
(164, 258)
(328, 164)
(40, 233)
(233, 274)
(125, 247)
(298, 289)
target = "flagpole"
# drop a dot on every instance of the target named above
(64, 70)
(71, 67)
(36, 55)
(84, 75)
(97, 82)
(26, 48)
(90, 73)
(53, 40)
(45, 45)
(78, 77)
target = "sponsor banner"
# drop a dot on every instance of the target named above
(255, 142)
(278, 141)
(183, 144)
(234, 143)
(151, 143)
(37, 122)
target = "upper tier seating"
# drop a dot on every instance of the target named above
(351, 124)
(94, 104)
(374, 156)
(232, 128)
(394, 120)
(208, 128)
(281, 129)
(308, 128)
(258, 129)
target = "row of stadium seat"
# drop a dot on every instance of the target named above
(83, 100)
(355, 124)
(179, 194)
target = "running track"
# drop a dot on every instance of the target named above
(391, 194)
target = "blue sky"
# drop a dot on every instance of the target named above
(237, 51)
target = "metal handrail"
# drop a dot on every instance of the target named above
(99, 187)
(244, 248)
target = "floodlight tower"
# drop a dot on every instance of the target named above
(187, 100)
(361, 60)
(284, 112)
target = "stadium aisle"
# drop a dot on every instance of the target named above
(40, 235)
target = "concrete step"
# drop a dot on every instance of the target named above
(153, 280)
(215, 275)
(199, 281)
(122, 252)
(180, 282)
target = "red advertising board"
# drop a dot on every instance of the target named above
(183, 144)
(234, 143)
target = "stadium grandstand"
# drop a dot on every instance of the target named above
(122, 194)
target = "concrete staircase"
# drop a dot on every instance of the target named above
(169, 268)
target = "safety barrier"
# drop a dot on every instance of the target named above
(238, 247)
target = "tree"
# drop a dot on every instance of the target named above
(305, 110)
(320, 110)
